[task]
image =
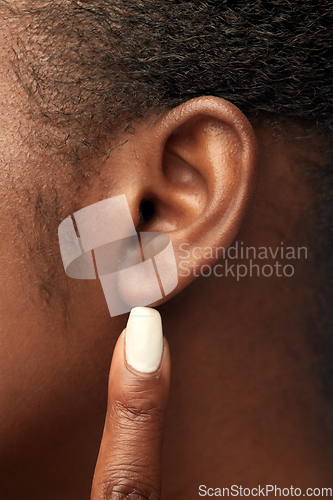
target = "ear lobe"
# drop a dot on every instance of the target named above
(206, 155)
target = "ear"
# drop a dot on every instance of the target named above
(191, 174)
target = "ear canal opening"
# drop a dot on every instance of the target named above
(147, 211)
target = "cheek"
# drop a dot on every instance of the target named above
(56, 334)
(54, 363)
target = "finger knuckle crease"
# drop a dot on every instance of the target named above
(134, 413)
(124, 491)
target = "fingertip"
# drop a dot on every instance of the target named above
(141, 350)
(144, 340)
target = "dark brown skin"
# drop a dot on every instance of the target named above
(133, 428)
(245, 404)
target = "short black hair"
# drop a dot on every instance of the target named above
(106, 62)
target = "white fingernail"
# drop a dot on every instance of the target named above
(144, 339)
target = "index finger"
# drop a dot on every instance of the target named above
(129, 461)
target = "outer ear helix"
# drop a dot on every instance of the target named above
(214, 222)
(228, 197)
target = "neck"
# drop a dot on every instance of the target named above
(243, 366)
